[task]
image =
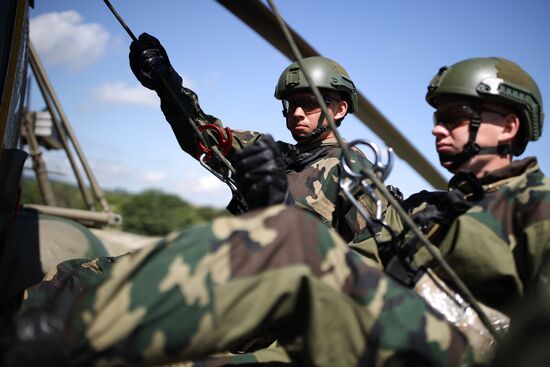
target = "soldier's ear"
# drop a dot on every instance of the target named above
(510, 128)
(341, 109)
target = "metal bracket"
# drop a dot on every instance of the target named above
(352, 181)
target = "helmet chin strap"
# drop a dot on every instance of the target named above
(472, 149)
(315, 133)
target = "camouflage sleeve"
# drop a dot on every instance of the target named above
(497, 246)
(187, 108)
(525, 344)
(71, 275)
(214, 287)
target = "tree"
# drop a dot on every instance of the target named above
(151, 212)
(155, 213)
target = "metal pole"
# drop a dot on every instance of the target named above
(37, 162)
(39, 74)
(85, 217)
(100, 196)
(257, 16)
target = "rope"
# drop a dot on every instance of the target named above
(174, 95)
(196, 129)
(380, 186)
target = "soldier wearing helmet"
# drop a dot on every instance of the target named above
(479, 94)
(269, 172)
(493, 223)
(299, 103)
(493, 226)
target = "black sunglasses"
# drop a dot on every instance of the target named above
(308, 104)
(456, 116)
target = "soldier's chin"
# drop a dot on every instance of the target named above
(299, 136)
(446, 163)
(447, 166)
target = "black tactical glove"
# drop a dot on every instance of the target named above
(438, 208)
(261, 176)
(36, 338)
(151, 66)
(443, 207)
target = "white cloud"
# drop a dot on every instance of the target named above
(109, 168)
(122, 93)
(63, 38)
(198, 188)
(199, 185)
(154, 177)
(209, 184)
(201, 190)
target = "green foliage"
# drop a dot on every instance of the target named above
(151, 212)
(66, 195)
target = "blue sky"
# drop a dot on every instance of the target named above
(390, 48)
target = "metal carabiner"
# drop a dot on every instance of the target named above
(224, 145)
(358, 181)
(351, 181)
(238, 203)
(228, 180)
(382, 169)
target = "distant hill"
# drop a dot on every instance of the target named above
(151, 212)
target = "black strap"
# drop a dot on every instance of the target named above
(295, 160)
(472, 149)
(315, 133)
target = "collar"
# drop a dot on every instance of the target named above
(308, 147)
(298, 156)
(515, 168)
(473, 188)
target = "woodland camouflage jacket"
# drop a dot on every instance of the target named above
(497, 246)
(313, 170)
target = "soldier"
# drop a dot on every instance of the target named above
(295, 279)
(276, 272)
(493, 225)
(311, 166)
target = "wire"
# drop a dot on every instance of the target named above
(175, 96)
(380, 186)
(313, 87)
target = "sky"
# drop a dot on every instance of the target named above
(391, 49)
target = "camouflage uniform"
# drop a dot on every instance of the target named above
(526, 344)
(32, 245)
(496, 246)
(312, 169)
(217, 286)
(312, 164)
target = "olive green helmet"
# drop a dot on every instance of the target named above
(494, 79)
(325, 73)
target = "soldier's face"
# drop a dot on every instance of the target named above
(303, 114)
(451, 130)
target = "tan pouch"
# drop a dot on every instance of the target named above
(459, 313)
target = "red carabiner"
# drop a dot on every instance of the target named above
(223, 145)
